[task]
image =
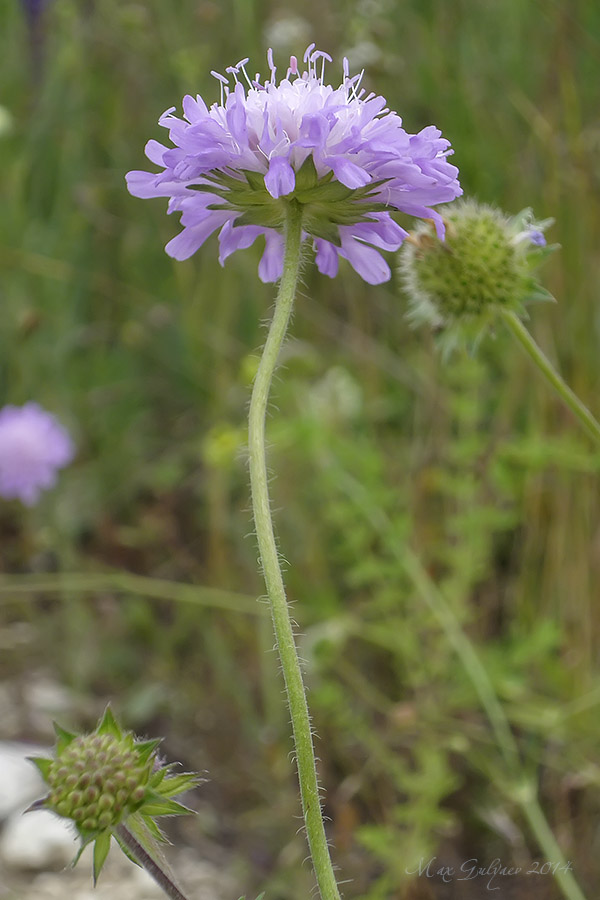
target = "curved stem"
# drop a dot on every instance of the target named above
(468, 656)
(292, 673)
(13, 586)
(591, 425)
(539, 825)
(525, 795)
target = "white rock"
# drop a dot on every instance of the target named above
(20, 781)
(45, 700)
(36, 841)
(144, 884)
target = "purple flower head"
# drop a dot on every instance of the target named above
(33, 445)
(338, 152)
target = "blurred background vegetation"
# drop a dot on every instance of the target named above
(473, 464)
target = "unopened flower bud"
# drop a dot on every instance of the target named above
(138, 793)
(105, 801)
(105, 819)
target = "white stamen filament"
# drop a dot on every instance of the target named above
(222, 80)
(308, 51)
(271, 64)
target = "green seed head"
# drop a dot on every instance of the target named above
(88, 773)
(106, 778)
(483, 266)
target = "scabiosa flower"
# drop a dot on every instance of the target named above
(107, 781)
(485, 265)
(338, 152)
(33, 446)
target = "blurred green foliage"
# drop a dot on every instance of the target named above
(474, 464)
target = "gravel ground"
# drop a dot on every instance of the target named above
(120, 880)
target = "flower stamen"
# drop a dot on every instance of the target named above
(224, 82)
(308, 51)
(271, 64)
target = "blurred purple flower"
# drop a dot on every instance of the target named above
(33, 445)
(34, 11)
(33, 8)
(340, 153)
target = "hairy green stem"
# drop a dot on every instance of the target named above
(292, 672)
(133, 846)
(569, 397)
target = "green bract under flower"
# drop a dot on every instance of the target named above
(485, 265)
(108, 779)
(326, 203)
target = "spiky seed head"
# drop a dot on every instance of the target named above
(484, 265)
(108, 779)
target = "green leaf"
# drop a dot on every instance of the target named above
(146, 838)
(536, 256)
(271, 219)
(156, 805)
(42, 764)
(374, 206)
(247, 199)
(63, 738)
(221, 206)
(371, 188)
(156, 833)
(522, 219)
(177, 784)
(223, 179)
(539, 294)
(84, 842)
(127, 851)
(209, 189)
(157, 777)
(101, 848)
(306, 177)
(145, 749)
(333, 192)
(256, 180)
(109, 725)
(322, 228)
